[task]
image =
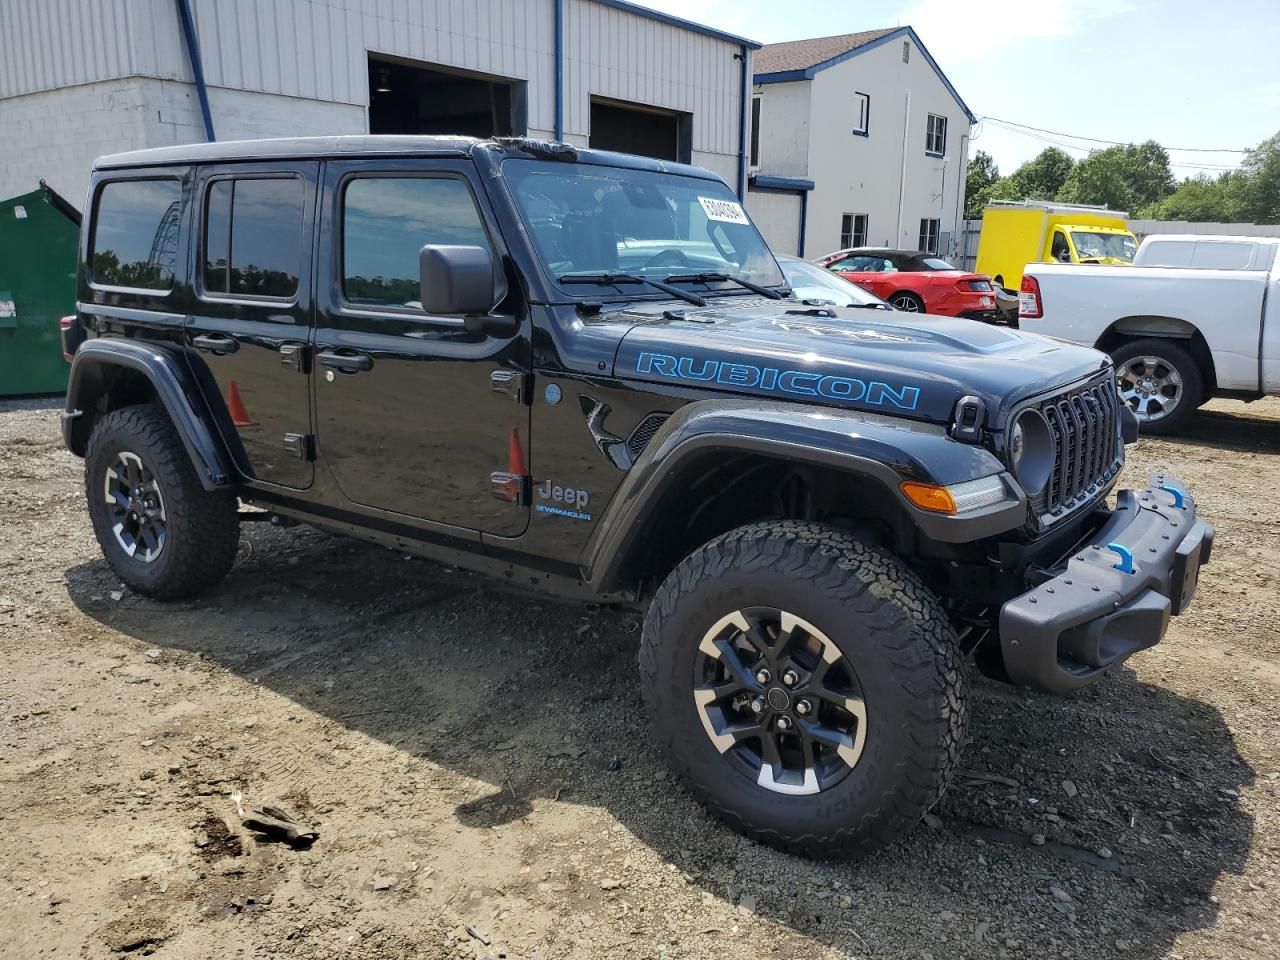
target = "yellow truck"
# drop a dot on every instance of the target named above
(1018, 232)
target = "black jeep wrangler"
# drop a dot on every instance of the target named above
(585, 372)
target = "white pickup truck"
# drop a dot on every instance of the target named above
(1194, 317)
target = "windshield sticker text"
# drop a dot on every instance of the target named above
(803, 383)
(725, 211)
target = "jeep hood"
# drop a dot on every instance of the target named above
(911, 365)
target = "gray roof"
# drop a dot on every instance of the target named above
(803, 54)
(291, 147)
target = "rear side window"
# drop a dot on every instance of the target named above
(1223, 255)
(135, 234)
(253, 237)
(387, 220)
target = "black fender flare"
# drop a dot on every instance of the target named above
(886, 450)
(90, 377)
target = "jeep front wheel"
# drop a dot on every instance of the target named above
(806, 686)
(164, 535)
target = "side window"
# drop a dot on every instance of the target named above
(135, 234)
(253, 237)
(935, 139)
(1060, 250)
(861, 113)
(387, 220)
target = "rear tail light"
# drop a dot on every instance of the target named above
(1029, 302)
(980, 286)
(64, 326)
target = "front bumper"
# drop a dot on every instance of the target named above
(1111, 597)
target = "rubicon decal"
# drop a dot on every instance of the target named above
(802, 383)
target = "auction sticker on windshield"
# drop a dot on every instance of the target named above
(725, 211)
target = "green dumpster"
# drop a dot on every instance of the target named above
(39, 232)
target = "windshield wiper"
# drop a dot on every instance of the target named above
(724, 278)
(617, 279)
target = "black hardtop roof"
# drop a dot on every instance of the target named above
(380, 145)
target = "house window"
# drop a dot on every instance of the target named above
(929, 236)
(935, 140)
(853, 230)
(755, 131)
(862, 113)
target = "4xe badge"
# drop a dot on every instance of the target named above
(574, 501)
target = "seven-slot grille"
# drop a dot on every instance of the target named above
(1085, 429)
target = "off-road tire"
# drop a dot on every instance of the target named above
(1176, 356)
(889, 627)
(202, 527)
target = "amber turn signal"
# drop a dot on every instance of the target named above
(929, 496)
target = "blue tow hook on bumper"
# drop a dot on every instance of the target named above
(1112, 597)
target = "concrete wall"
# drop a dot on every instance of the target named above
(56, 135)
(869, 175)
(778, 217)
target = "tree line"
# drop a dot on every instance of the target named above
(1136, 178)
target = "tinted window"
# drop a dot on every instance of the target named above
(135, 235)
(935, 263)
(387, 220)
(253, 237)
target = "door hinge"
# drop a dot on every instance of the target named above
(511, 487)
(509, 383)
(294, 356)
(301, 445)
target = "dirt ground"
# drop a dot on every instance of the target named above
(475, 762)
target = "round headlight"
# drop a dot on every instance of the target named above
(1031, 451)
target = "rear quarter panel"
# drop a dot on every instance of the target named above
(1082, 302)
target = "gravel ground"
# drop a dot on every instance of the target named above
(476, 765)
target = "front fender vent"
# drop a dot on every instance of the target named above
(644, 432)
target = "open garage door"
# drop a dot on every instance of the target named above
(631, 128)
(420, 98)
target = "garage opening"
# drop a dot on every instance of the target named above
(647, 131)
(416, 98)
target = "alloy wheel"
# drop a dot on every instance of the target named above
(135, 507)
(779, 700)
(1151, 386)
(907, 304)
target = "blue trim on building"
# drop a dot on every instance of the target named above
(790, 76)
(744, 120)
(559, 69)
(679, 22)
(197, 65)
(785, 184)
(804, 222)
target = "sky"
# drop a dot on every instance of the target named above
(1186, 73)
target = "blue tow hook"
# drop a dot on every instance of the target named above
(1126, 558)
(1178, 496)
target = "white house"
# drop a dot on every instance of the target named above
(856, 140)
(79, 79)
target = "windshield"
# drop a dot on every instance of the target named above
(809, 281)
(594, 220)
(1102, 246)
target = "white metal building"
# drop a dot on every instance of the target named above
(79, 79)
(857, 140)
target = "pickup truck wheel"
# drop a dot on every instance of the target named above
(806, 686)
(1160, 381)
(162, 532)
(908, 302)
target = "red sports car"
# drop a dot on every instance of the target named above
(917, 282)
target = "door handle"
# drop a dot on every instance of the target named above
(216, 343)
(345, 362)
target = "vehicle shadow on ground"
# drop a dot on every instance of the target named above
(1237, 429)
(539, 700)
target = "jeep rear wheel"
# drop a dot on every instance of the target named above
(162, 532)
(806, 686)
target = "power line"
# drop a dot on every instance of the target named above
(1113, 143)
(1075, 146)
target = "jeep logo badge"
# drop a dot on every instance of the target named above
(575, 501)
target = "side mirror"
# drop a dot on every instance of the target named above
(1064, 256)
(461, 281)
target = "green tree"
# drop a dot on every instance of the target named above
(1043, 176)
(1261, 191)
(1204, 199)
(982, 175)
(1129, 177)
